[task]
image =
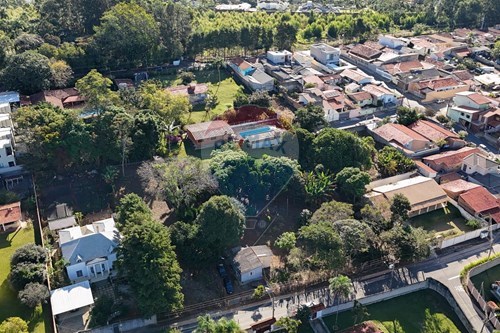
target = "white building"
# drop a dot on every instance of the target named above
(90, 251)
(326, 54)
(481, 164)
(71, 306)
(279, 57)
(250, 262)
(391, 42)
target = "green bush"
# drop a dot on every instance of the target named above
(470, 266)
(474, 224)
(259, 291)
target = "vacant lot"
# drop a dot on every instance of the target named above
(486, 278)
(225, 93)
(9, 304)
(408, 310)
(446, 222)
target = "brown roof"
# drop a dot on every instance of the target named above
(10, 213)
(432, 131)
(377, 90)
(364, 51)
(192, 89)
(458, 186)
(57, 97)
(438, 83)
(449, 177)
(313, 79)
(398, 133)
(241, 63)
(425, 167)
(403, 67)
(478, 99)
(463, 75)
(451, 158)
(480, 200)
(209, 129)
(331, 77)
(360, 96)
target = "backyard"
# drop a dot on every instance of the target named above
(486, 278)
(447, 222)
(225, 94)
(9, 304)
(408, 310)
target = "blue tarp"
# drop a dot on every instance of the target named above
(9, 97)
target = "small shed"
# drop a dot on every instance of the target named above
(10, 216)
(250, 262)
(71, 305)
(62, 223)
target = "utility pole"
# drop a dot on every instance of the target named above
(269, 291)
(490, 229)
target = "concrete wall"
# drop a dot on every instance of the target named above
(390, 180)
(445, 94)
(124, 326)
(429, 283)
(466, 237)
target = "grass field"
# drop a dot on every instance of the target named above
(487, 278)
(9, 304)
(226, 92)
(409, 310)
(447, 222)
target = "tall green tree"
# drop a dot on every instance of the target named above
(28, 72)
(127, 36)
(14, 325)
(96, 90)
(207, 325)
(341, 287)
(323, 244)
(400, 206)
(290, 325)
(332, 211)
(336, 149)
(132, 210)
(406, 116)
(285, 36)
(311, 117)
(351, 182)
(391, 162)
(221, 226)
(147, 259)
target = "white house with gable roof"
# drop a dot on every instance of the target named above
(90, 250)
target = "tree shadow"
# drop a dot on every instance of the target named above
(5, 241)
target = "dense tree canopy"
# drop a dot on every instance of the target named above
(310, 117)
(30, 253)
(351, 182)
(391, 162)
(336, 149)
(323, 244)
(332, 211)
(13, 325)
(132, 210)
(27, 72)
(147, 259)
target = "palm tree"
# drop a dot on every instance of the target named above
(109, 176)
(340, 286)
(218, 62)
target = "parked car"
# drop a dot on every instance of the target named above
(228, 285)
(222, 270)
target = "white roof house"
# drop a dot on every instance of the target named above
(249, 262)
(71, 298)
(65, 222)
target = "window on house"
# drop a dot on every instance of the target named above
(11, 164)
(79, 273)
(8, 150)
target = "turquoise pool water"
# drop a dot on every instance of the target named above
(254, 131)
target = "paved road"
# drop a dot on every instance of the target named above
(444, 268)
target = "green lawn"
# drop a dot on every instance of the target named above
(226, 92)
(446, 222)
(487, 278)
(409, 310)
(9, 304)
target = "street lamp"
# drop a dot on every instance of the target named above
(269, 291)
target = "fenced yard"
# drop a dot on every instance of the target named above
(408, 310)
(10, 306)
(225, 94)
(446, 222)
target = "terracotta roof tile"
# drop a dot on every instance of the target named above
(209, 129)
(398, 133)
(478, 99)
(451, 158)
(364, 51)
(481, 200)
(10, 213)
(432, 131)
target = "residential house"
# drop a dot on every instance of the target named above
(439, 88)
(279, 57)
(456, 187)
(356, 76)
(479, 163)
(481, 203)
(7, 157)
(240, 7)
(61, 98)
(449, 161)
(209, 134)
(392, 57)
(459, 52)
(401, 137)
(252, 75)
(249, 263)
(10, 216)
(365, 54)
(325, 54)
(406, 67)
(424, 194)
(241, 66)
(468, 108)
(381, 95)
(272, 6)
(425, 170)
(404, 80)
(392, 42)
(71, 306)
(488, 81)
(361, 99)
(437, 134)
(62, 223)
(90, 251)
(312, 81)
(331, 79)
(197, 93)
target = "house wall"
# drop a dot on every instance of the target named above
(433, 205)
(5, 108)
(325, 57)
(458, 115)
(73, 269)
(210, 143)
(465, 101)
(455, 143)
(331, 115)
(7, 161)
(444, 94)
(390, 42)
(469, 167)
(253, 275)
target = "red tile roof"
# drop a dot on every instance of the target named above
(10, 213)
(398, 133)
(439, 83)
(364, 51)
(425, 167)
(459, 185)
(481, 200)
(451, 158)
(241, 63)
(432, 131)
(449, 177)
(478, 99)
(360, 96)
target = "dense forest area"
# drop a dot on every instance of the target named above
(54, 38)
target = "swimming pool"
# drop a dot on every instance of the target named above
(254, 131)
